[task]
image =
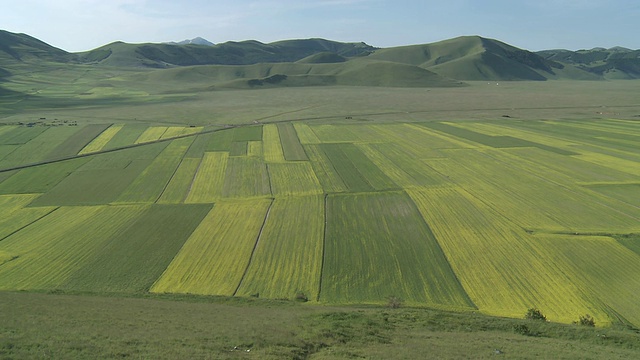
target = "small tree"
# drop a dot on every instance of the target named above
(586, 320)
(535, 314)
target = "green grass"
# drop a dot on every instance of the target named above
(58, 325)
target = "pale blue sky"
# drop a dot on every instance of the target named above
(78, 25)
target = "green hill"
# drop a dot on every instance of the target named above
(22, 47)
(474, 58)
(229, 53)
(614, 63)
(355, 72)
(326, 57)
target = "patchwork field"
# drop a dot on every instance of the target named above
(496, 216)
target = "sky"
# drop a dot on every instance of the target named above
(80, 25)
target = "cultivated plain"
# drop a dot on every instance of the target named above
(488, 197)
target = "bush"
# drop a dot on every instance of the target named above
(302, 297)
(394, 302)
(522, 329)
(586, 320)
(535, 314)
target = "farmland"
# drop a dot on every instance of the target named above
(492, 215)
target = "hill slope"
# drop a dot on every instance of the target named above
(229, 53)
(614, 63)
(356, 72)
(22, 47)
(477, 58)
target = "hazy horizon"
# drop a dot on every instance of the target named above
(80, 25)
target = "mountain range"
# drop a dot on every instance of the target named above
(324, 62)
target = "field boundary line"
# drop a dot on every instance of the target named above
(266, 165)
(131, 146)
(29, 224)
(171, 178)
(255, 246)
(324, 246)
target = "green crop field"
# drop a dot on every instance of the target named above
(438, 198)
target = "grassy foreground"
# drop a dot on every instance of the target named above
(65, 326)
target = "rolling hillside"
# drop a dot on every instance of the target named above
(356, 72)
(477, 58)
(229, 53)
(312, 62)
(614, 63)
(22, 47)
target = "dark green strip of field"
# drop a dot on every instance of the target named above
(100, 180)
(77, 141)
(93, 187)
(21, 135)
(378, 245)
(246, 177)
(150, 184)
(136, 257)
(493, 141)
(6, 150)
(291, 146)
(345, 169)
(630, 241)
(355, 169)
(247, 133)
(38, 148)
(220, 141)
(126, 136)
(238, 148)
(215, 141)
(39, 179)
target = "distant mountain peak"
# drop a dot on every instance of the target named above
(195, 41)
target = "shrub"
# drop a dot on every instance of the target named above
(535, 314)
(302, 297)
(394, 302)
(586, 320)
(522, 329)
